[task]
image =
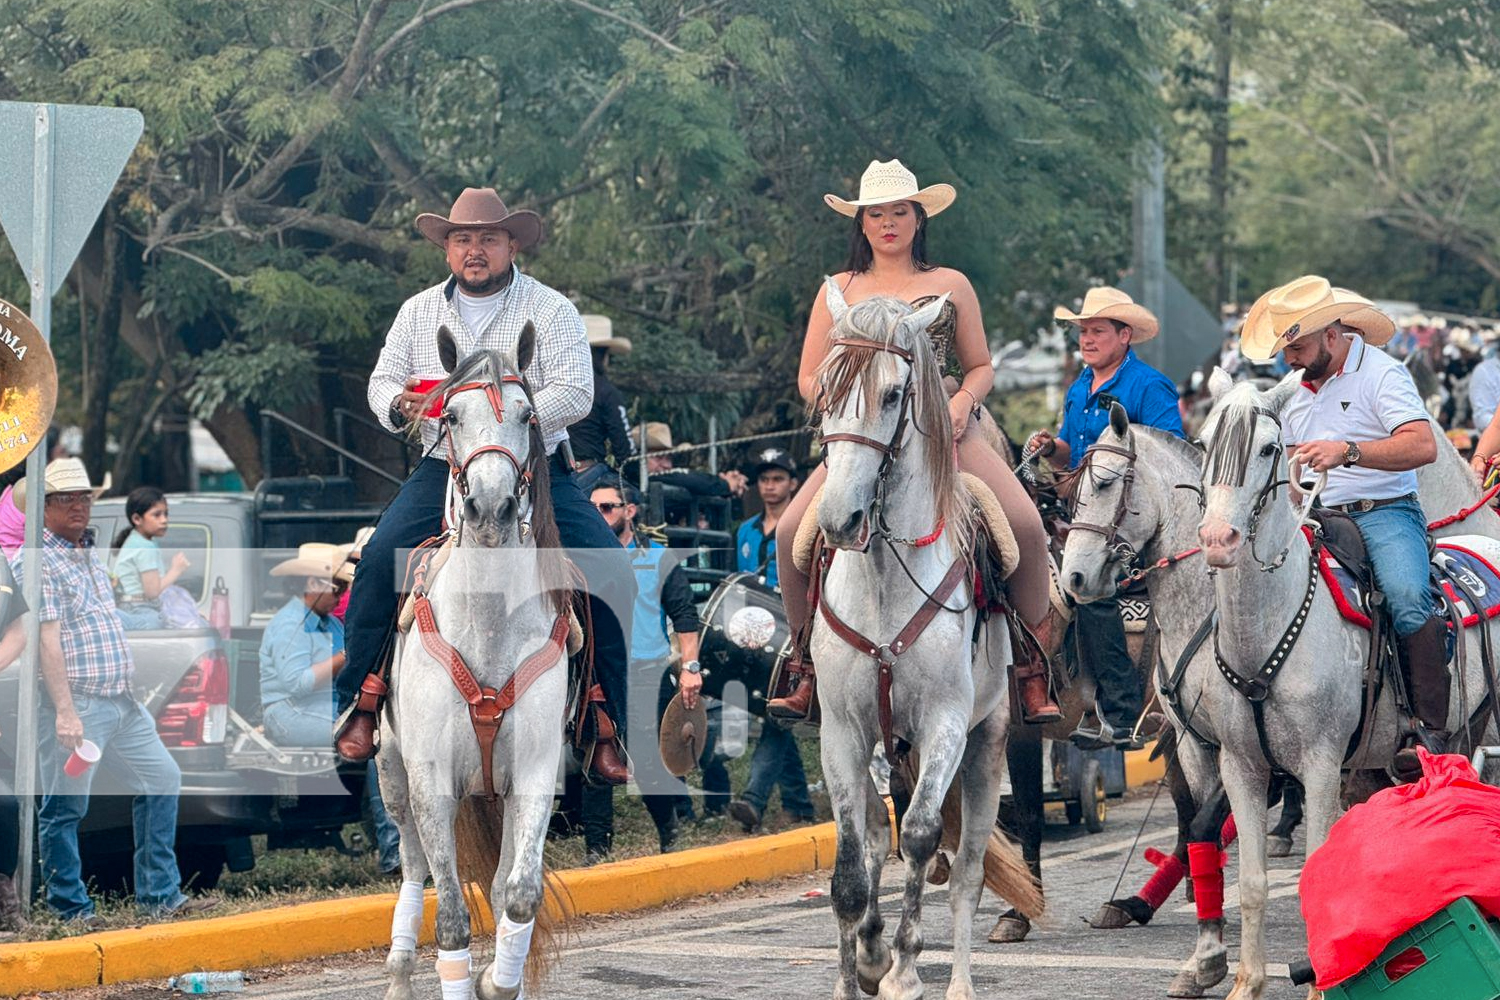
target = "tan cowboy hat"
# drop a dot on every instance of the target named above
(883, 183)
(1104, 302)
(349, 556)
(319, 559)
(659, 438)
(600, 332)
(63, 475)
(480, 207)
(1308, 305)
(684, 733)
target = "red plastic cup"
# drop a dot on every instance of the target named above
(425, 385)
(83, 758)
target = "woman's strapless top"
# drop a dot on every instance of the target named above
(942, 330)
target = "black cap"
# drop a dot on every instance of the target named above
(773, 458)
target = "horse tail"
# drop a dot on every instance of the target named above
(1007, 875)
(478, 834)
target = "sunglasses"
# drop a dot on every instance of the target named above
(608, 508)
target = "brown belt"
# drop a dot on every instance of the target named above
(1365, 506)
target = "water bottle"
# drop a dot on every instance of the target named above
(218, 609)
(209, 982)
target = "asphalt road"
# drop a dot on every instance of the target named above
(782, 936)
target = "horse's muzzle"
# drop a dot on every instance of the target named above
(490, 527)
(1221, 542)
(851, 535)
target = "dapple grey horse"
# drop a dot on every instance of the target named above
(1265, 588)
(896, 515)
(496, 602)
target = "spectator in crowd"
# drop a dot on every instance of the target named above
(87, 671)
(345, 573)
(12, 641)
(139, 574)
(662, 468)
(776, 760)
(12, 498)
(1484, 391)
(300, 654)
(662, 596)
(604, 433)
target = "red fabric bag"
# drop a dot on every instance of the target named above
(1395, 860)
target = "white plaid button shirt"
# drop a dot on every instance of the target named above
(561, 373)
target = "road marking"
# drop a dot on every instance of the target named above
(1274, 877)
(1109, 847)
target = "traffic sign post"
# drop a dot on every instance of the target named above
(75, 156)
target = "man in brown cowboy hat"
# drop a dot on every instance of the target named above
(1359, 417)
(1109, 324)
(485, 303)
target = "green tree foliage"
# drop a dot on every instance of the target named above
(677, 150)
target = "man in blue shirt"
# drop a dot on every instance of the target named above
(775, 478)
(1108, 325)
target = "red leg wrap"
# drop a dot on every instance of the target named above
(1169, 874)
(1228, 832)
(1205, 863)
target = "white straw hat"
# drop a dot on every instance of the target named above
(883, 183)
(1103, 302)
(1309, 305)
(601, 333)
(63, 475)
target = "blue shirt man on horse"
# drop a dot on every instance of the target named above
(485, 303)
(1108, 325)
(1359, 418)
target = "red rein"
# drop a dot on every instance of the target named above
(1464, 514)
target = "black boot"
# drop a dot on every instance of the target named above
(1424, 662)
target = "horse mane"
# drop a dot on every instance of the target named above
(1231, 432)
(1189, 451)
(878, 320)
(487, 364)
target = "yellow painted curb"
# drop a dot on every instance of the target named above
(308, 930)
(1140, 769)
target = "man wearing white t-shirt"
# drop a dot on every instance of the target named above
(1359, 417)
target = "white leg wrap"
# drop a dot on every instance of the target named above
(512, 942)
(454, 974)
(406, 922)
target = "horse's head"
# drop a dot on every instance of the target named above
(1244, 468)
(494, 443)
(880, 394)
(1113, 518)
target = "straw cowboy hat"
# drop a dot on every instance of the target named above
(478, 208)
(684, 732)
(1105, 302)
(883, 183)
(349, 556)
(319, 559)
(1308, 305)
(600, 332)
(659, 438)
(63, 475)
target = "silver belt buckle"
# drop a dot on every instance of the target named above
(1365, 506)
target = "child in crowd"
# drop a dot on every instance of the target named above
(138, 567)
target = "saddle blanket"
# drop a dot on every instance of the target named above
(1470, 560)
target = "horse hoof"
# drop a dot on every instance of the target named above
(1185, 985)
(485, 988)
(1011, 928)
(870, 975)
(940, 870)
(1279, 847)
(399, 991)
(1118, 913)
(1197, 982)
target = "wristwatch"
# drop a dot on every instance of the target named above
(1351, 454)
(691, 667)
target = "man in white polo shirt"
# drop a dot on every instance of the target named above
(1359, 418)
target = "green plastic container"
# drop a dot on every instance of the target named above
(1452, 955)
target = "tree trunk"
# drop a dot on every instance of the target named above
(99, 340)
(1218, 152)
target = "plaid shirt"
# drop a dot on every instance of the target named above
(76, 592)
(561, 373)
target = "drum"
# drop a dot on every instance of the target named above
(744, 638)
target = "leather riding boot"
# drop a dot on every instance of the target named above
(1037, 706)
(355, 740)
(1424, 660)
(798, 704)
(605, 762)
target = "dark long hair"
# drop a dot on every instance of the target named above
(861, 256)
(140, 500)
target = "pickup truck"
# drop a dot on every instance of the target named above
(204, 691)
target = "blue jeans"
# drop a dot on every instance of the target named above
(776, 761)
(140, 617)
(387, 834)
(1396, 538)
(125, 732)
(416, 514)
(293, 724)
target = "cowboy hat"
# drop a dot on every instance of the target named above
(319, 559)
(684, 733)
(481, 207)
(349, 556)
(883, 183)
(1308, 305)
(1104, 302)
(659, 438)
(601, 334)
(63, 475)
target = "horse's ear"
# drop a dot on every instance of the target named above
(1219, 383)
(447, 349)
(921, 319)
(835, 298)
(1284, 391)
(1119, 420)
(526, 347)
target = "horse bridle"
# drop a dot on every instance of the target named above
(1266, 493)
(458, 470)
(1120, 550)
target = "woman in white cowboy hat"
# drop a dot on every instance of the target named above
(888, 256)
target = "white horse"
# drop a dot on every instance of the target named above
(497, 604)
(892, 480)
(1307, 719)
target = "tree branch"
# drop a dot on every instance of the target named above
(633, 25)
